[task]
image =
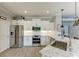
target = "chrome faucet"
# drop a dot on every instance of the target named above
(61, 29)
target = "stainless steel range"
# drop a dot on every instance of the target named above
(36, 40)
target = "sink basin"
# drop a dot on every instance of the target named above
(60, 45)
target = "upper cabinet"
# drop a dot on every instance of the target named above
(43, 24)
(28, 25)
(13, 22)
(36, 22)
(17, 22)
(51, 26)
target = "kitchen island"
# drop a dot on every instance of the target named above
(52, 50)
(55, 50)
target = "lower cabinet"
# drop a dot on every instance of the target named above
(27, 41)
(45, 40)
(74, 31)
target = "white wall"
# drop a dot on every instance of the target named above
(4, 32)
(57, 21)
(4, 35)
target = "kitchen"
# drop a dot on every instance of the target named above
(36, 29)
(35, 34)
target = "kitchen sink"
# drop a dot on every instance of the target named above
(60, 45)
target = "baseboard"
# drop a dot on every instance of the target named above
(3, 50)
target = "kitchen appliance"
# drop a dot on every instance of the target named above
(36, 28)
(36, 40)
(16, 36)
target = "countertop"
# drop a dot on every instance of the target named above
(50, 51)
(53, 34)
(45, 33)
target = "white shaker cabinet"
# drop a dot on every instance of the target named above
(20, 22)
(14, 22)
(36, 22)
(74, 31)
(28, 41)
(28, 25)
(51, 26)
(45, 40)
(45, 25)
(17, 22)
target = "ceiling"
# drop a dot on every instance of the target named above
(39, 8)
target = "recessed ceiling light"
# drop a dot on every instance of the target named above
(25, 11)
(47, 11)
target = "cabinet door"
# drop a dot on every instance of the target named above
(20, 22)
(51, 26)
(28, 25)
(45, 25)
(36, 22)
(27, 41)
(14, 22)
(44, 40)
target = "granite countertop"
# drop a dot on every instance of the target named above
(50, 51)
(42, 33)
(45, 33)
(52, 34)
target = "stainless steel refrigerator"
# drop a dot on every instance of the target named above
(16, 35)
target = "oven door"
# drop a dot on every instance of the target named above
(36, 41)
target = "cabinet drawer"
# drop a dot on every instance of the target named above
(28, 41)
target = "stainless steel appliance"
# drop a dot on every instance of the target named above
(16, 36)
(36, 40)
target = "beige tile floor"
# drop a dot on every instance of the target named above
(22, 52)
